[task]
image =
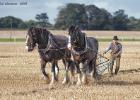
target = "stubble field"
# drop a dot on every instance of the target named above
(21, 78)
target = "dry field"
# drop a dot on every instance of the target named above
(97, 34)
(21, 79)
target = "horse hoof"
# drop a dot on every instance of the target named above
(84, 82)
(56, 78)
(51, 83)
(51, 86)
(47, 81)
(73, 82)
(64, 82)
(79, 83)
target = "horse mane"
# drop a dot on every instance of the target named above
(40, 35)
(39, 30)
(73, 28)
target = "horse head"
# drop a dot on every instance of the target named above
(30, 39)
(37, 36)
(77, 37)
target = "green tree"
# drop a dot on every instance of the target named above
(87, 17)
(22, 26)
(11, 22)
(106, 20)
(42, 20)
(71, 14)
(31, 23)
(138, 25)
(120, 20)
(98, 19)
(134, 24)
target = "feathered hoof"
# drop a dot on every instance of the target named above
(72, 82)
(47, 81)
(79, 83)
(85, 82)
(51, 87)
(53, 82)
(65, 81)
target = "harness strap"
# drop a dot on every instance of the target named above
(86, 42)
(50, 44)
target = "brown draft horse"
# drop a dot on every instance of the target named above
(51, 48)
(84, 50)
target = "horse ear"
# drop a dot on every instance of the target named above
(30, 30)
(38, 30)
(71, 28)
(48, 32)
(34, 30)
(77, 28)
(32, 27)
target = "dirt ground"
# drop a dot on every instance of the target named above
(21, 78)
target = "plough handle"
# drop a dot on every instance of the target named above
(103, 56)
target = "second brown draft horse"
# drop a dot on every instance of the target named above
(84, 50)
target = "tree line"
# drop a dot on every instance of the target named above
(87, 17)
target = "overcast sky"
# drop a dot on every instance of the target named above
(33, 7)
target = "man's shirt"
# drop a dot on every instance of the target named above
(115, 48)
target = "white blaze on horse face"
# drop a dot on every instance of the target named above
(26, 47)
(69, 45)
(56, 70)
(27, 37)
(69, 42)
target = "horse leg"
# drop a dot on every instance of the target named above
(43, 64)
(94, 74)
(72, 69)
(90, 69)
(56, 69)
(53, 72)
(78, 73)
(66, 77)
(85, 68)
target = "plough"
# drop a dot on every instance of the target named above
(103, 63)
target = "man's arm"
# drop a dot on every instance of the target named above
(107, 49)
(120, 50)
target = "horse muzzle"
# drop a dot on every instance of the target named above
(28, 48)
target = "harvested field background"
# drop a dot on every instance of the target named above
(97, 34)
(21, 78)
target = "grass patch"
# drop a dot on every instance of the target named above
(12, 40)
(122, 40)
(100, 40)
